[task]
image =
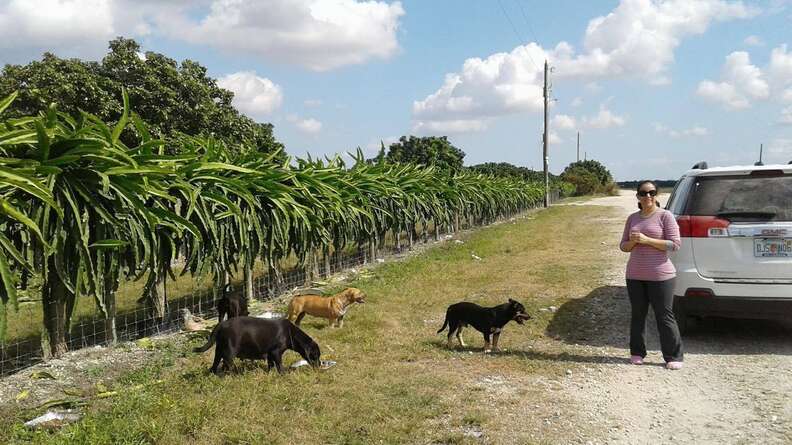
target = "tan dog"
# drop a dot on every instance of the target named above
(333, 308)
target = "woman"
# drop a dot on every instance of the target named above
(649, 235)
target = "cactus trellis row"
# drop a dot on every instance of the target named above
(81, 212)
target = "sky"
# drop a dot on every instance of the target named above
(652, 87)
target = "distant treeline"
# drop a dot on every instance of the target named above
(661, 183)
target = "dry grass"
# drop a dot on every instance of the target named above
(395, 382)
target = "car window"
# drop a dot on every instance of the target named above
(679, 195)
(742, 198)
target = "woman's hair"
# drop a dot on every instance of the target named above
(641, 184)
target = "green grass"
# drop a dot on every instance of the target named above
(395, 382)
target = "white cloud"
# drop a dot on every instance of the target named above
(723, 93)
(781, 148)
(78, 28)
(693, 131)
(307, 126)
(780, 68)
(576, 102)
(312, 103)
(318, 34)
(786, 96)
(786, 116)
(253, 95)
(640, 36)
(563, 122)
(66, 27)
(554, 138)
(604, 119)
(593, 88)
(753, 41)
(741, 82)
(637, 39)
(444, 127)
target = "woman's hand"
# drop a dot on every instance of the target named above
(638, 237)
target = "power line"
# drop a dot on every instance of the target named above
(527, 22)
(517, 33)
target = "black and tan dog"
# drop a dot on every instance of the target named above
(231, 304)
(487, 320)
(258, 338)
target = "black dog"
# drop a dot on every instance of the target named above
(235, 305)
(487, 320)
(257, 338)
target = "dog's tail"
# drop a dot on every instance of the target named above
(445, 323)
(210, 342)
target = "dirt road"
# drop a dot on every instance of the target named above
(736, 386)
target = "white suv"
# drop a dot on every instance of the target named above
(736, 254)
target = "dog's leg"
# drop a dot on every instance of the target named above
(495, 338)
(341, 321)
(333, 322)
(277, 357)
(270, 362)
(451, 330)
(299, 318)
(487, 345)
(216, 362)
(459, 337)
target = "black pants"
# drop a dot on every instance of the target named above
(660, 294)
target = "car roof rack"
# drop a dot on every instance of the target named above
(700, 165)
(790, 162)
(758, 164)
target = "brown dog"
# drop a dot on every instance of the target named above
(332, 308)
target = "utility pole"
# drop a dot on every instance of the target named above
(578, 151)
(545, 140)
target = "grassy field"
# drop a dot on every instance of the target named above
(395, 382)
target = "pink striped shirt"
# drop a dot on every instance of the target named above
(646, 262)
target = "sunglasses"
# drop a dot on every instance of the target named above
(643, 193)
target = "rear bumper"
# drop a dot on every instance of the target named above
(689, 278)
(737, 307)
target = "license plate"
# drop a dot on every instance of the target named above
(773, 247)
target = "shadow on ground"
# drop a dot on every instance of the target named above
(529, 354)
(602, 318)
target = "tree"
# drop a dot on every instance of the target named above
(172, 99)
(505, 169)
(589, 177)
(602, 174)
(427, 151)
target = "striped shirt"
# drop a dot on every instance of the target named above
(647, 263)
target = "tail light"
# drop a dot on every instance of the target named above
(698, 292)
(702, 226)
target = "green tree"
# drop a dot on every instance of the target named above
(589, 176)
(174, 100)
(427, 151)
(505, 169)
(599, 171)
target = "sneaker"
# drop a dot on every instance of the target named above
(674, 365)
(636, 360)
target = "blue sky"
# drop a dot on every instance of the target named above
(652, 86)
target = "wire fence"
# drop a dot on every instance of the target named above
(89, 327)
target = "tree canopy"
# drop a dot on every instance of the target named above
(428, 151)
(589, 176)
(173, 99)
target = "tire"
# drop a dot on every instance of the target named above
(681, 316)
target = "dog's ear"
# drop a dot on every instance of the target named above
(512, 302)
